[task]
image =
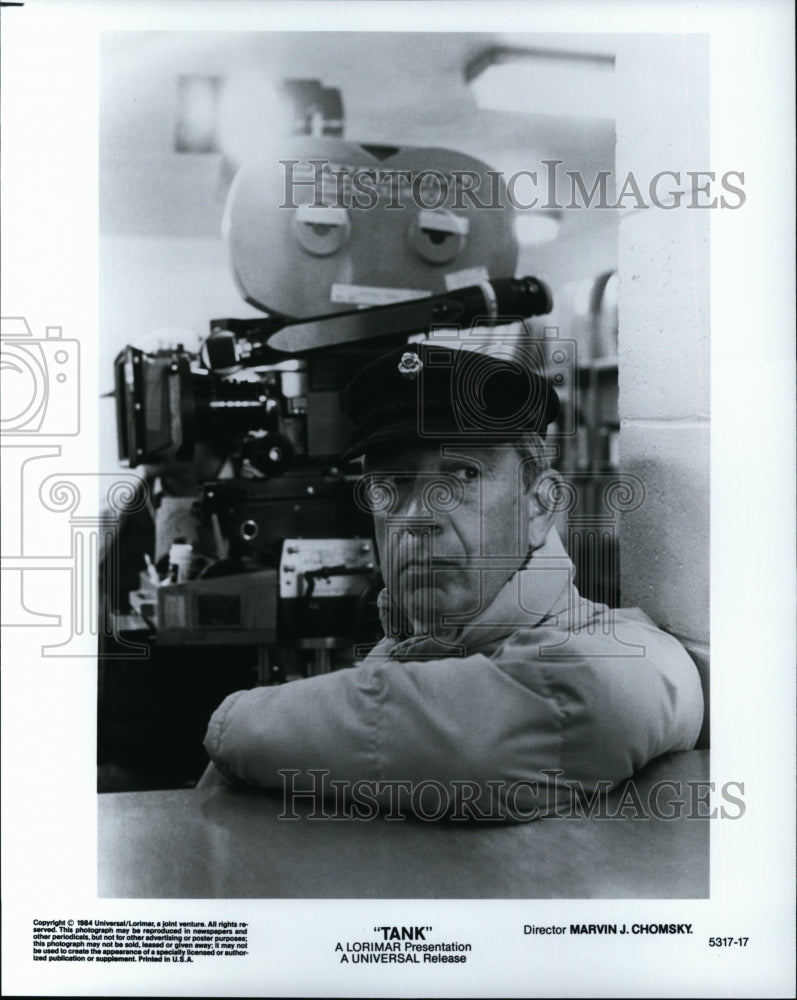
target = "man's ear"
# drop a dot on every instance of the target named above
(544, 505)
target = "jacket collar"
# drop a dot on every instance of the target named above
(542, 590)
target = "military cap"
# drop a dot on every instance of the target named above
(436, 392)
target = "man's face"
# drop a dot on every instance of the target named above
(456, 530)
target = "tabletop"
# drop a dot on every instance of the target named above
(650, 839)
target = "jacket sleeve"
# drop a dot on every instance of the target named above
(591, 707)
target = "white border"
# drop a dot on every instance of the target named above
(49, 273)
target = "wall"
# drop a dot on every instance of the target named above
(663, 256)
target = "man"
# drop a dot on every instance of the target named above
(495, 682)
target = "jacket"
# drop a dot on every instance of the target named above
(541, 683)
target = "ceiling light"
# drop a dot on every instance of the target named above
(246, 115)
(543, 82)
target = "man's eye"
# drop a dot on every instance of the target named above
(467, 472)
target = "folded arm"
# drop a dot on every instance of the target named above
(595, 715)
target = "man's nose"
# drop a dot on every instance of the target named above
(412, 504)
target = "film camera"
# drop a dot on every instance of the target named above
(340, 281)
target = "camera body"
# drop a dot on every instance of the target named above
(334, 224)
(351, 252)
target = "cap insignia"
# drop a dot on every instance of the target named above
(410, 365)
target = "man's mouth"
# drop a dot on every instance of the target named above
(417, 566)
(412, 557)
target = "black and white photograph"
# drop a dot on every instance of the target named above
(398, 489)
